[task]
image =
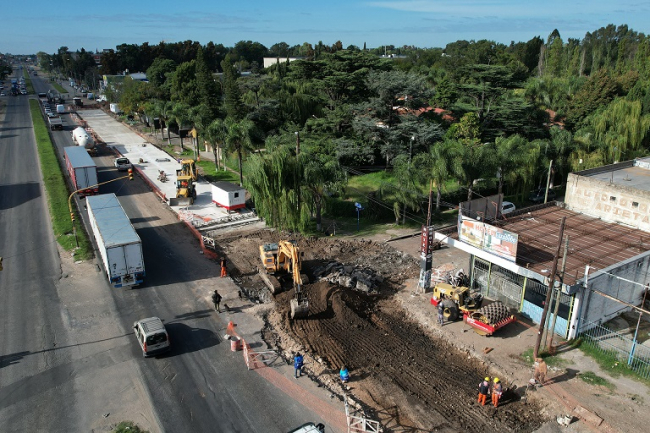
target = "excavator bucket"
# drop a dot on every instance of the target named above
(299, 309)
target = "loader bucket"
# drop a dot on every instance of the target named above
(181, 201)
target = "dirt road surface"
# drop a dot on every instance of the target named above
(400, 373)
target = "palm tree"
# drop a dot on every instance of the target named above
(216, 134)
(439, 164)
(181, 115)
(239, 139)
(164, 109)
(405, 191)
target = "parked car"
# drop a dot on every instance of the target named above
(507, 207)
(537, 196)
(122, 164)
(152, 336)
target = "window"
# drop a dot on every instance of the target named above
(156, 339)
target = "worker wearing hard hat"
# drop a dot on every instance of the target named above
(497, 390)
(483, 390)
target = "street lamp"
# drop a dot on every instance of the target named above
(411, 149)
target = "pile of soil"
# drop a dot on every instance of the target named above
(401, 375)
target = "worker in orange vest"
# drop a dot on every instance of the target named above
(224, 270)
(497, 391)
(483, 390)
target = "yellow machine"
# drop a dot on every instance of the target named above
(455, 299)
(188, 168)
(285, 258)
(485, 319)
(185, 191)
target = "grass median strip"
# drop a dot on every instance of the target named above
(56, 190)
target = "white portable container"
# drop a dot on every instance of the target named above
(115, 108)
(119, 245)
(81, 138)
(228, 195)
(82, 170)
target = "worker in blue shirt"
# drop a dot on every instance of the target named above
(344, 374)
(297, 364)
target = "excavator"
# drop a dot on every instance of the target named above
(188, 168)
(285, 257)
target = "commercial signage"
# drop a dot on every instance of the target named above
(489, 238)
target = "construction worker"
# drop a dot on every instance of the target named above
(344, 374)
(540, 371)
(483, 390)
(224, 270)
(441, 314)
(297, 364)
(497, 390)
(216, 299)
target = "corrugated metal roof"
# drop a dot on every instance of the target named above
(591, 241)
(112, 221)
(78, 156)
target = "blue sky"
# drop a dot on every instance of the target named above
(41, 25)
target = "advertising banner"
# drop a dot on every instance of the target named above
(489, 238)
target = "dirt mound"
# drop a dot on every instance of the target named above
(402, 375)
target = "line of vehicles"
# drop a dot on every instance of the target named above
(18, 87)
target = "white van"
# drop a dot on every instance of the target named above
(310, 427)
(152, 336)
(60, 108)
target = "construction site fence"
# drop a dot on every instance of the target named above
(357, 423)
(625, 348)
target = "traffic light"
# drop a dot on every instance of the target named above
(130, 174)
(72, 216)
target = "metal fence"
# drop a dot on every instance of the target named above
(624, 348)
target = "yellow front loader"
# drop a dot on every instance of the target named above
(185, 192)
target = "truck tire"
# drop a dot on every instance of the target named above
(450, 310)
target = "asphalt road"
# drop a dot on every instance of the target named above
(99, 370)
(30, 313)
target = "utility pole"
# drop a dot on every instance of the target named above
(548, 181)
(551, 284)
(426, 262)
(559, 296)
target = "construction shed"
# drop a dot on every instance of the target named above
(228, 195)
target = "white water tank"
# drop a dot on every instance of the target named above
(81, 138)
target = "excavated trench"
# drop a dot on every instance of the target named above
(400, 374)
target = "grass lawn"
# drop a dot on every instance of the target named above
(57, 192)
(58, 87)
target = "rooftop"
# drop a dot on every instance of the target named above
(632, 174)
(591, 241)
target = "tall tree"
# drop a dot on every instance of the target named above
(240, 140)
(207, 86)
(233, 103)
